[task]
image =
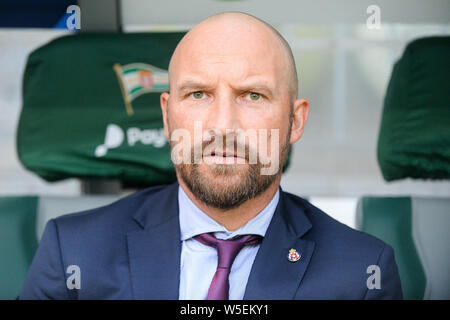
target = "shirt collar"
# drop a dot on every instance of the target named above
(194, 221)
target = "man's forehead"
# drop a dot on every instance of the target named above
(246, 63)
(262, 83)
(206, 67)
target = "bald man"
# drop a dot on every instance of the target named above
(225, 230)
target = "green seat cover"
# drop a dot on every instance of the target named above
(414, 138)
(91, 108)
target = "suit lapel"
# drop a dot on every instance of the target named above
(154, 252)
(273, 276)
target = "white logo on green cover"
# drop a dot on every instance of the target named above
(114, 138)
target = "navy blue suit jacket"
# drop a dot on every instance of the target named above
(131, 250)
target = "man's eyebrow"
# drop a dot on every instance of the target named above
(255, 87)
(191, 84)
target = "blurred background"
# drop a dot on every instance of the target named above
(345, 53)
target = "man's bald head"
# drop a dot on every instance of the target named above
(221, 25)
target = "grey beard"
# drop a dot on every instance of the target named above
(251, 185)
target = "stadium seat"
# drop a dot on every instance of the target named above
(417, 229)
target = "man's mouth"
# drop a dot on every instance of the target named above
(223, 157)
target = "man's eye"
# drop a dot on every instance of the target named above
(197, 95)
(253, 96)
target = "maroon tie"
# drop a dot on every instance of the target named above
(227, 251)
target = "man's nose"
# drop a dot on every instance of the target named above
(223, 113)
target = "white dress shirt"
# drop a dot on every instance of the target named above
(199, 261)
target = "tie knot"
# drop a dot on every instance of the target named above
(227, 250)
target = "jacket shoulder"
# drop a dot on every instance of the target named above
(116, 216)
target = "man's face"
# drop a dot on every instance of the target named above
(230, 87)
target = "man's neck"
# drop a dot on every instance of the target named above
(235, 218)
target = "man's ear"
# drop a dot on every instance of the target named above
(299, 117)
(164, 100)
